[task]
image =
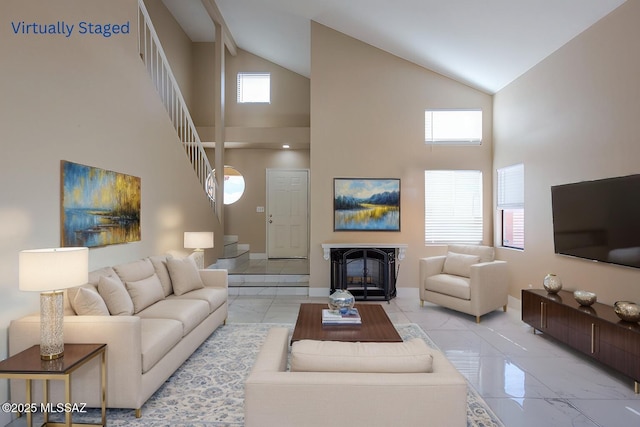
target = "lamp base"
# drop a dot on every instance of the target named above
(51, 325)
(198, 257)
(51, 356)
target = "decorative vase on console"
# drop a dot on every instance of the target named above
(552, 283)
(341, 300)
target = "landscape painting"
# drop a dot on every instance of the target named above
(99, 207)
(366, 204)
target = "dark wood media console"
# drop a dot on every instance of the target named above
(595, 331)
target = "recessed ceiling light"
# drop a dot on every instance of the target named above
(286, 146)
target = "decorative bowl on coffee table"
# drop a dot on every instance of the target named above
(341, 300)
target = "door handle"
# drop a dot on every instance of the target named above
(270, 221)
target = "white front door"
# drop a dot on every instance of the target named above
(287, 213)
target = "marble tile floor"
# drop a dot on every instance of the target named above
(528, 379)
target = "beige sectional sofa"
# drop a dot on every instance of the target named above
(381, 384)
(152, 314)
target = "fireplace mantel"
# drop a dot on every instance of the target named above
(400, 247)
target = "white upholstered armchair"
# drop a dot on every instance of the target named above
(468, 279)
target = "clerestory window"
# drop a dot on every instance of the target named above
(453, 127)
(254, 88)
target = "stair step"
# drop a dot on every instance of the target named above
(230, 246)
(230, 250)
(289, 280)
(230, 239)
(232, 260)
(237, 253)
(269, 291)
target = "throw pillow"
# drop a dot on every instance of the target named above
(145, 292)
(184, 275)
(89, 303)
(115, 296)
(134, 270)
(71, 295)
(486, 253)
(334, 356)
(160, 265)
(459, 264)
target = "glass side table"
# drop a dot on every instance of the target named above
(28, 366)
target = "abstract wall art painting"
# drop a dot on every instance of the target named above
(98, 207)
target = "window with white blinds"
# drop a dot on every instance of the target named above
(511, 187)
(510, 204)
(453, 206)
(254, 87)
(453, 127)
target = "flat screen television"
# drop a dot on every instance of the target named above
(598, 220)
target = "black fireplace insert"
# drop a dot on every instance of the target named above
(368, 273)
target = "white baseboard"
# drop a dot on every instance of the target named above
(257, 256)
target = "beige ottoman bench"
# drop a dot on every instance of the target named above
(358, 384)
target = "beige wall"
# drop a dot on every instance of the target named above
(203, 66)
(87, 100)
(573, 117)
(289, 105)
(241, 218)
(367, 120)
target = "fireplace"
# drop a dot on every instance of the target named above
(369, 272)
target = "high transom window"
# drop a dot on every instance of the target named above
(453, 127)
(254, 88)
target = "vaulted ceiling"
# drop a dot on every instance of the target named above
(483, 43)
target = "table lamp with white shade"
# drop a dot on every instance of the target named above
(49, 271)
(198, 241)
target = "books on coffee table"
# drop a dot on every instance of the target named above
(331, 317)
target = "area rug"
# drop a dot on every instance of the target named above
(208, 389)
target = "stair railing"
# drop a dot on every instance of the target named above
(167, 87)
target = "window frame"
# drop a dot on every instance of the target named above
(247, 77)
(510, 204)
(438, 121)
(228, 198)
(449, 219)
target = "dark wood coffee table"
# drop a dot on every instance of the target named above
(375, 327)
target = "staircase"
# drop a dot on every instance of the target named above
(262, 276)
(234, 254)
(157, 66)
(246, 277)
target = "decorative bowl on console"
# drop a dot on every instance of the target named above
(341, 300)
(627, 311)
(585, 298)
